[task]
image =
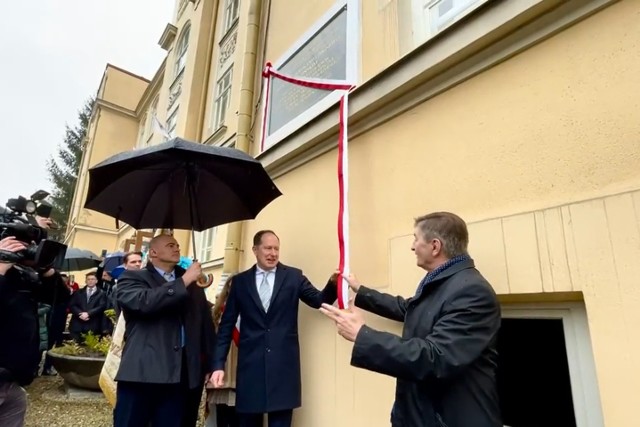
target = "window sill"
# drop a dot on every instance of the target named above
(177, 78)
(216, 262)
(228, 32)
(216, 135)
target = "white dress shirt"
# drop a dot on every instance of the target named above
(168, 276)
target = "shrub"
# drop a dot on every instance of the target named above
(93, 346)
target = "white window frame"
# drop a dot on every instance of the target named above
(206, 242)
(231, 13)
(222, 98)
(352, 65)
(587, 406)
(182, 47)
(172, 122)
(426, 26)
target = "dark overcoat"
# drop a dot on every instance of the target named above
(95, 307)
(154, 312)
(445, 362)
(268, 373)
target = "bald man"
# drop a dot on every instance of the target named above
(168, 341)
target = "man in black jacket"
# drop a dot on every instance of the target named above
(87, 309)
(20, 291)
(169, 339)
(446, 359)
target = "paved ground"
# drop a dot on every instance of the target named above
(51, 406)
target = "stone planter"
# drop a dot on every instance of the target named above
(78, 371)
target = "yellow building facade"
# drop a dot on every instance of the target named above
(519, 116)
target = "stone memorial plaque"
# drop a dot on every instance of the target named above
(324, 56)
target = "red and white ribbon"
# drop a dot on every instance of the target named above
(235, 334)
(343, 162)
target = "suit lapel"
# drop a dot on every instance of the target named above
(253, 288)
(156, 278)
(281, 272)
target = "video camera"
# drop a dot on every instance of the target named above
(19, 221)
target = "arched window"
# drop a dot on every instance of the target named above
(181, 50)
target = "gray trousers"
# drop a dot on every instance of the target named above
(13, 405)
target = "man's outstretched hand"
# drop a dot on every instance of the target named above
(349, 321)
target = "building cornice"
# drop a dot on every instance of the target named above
(152, 90)
(129, 73)
(168, 36)
(491, 35)
(115, 108)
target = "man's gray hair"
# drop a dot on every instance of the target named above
(447, 227)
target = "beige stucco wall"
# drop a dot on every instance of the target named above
(91, 240)
(123, 88)
(115, 133)
(285, 31)
(113, 129)
(538, 154)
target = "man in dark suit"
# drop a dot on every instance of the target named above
(87, 309)
(446, 360)
(169, 338)
(266, 298)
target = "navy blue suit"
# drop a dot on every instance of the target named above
(268, 372)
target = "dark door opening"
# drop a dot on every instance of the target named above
(533, 374)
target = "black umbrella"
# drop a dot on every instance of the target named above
(79, 259)
(180, 184)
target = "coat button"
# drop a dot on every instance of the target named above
(176, 348)
(268, 350)
(170, 291)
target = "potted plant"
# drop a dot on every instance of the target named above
(80, 364)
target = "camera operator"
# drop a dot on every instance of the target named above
(21, 289)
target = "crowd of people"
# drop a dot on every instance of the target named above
(244, 348)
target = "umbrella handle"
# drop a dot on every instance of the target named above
(204, 280)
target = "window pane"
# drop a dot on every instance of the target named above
(181, 51)
(223, 95)
(230, 13)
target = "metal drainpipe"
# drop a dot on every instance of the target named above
(245, 116)
(184, 237)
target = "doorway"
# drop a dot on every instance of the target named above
(546, 375)
(533, 375)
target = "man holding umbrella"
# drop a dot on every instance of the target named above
(168, 341)
(171, 185)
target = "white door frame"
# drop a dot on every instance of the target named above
(582, 371)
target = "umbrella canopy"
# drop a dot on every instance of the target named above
(112, 261)
(79, 259)
(180, 184)
(116, 272)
